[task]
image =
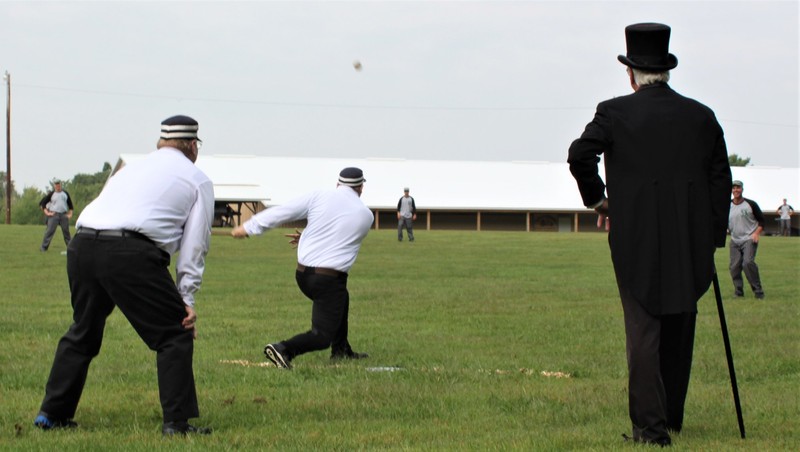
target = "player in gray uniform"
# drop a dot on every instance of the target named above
(745, 222)
(785, 211)
(57, 207)
(406, 215)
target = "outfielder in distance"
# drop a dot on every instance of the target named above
(57, 207)
(666, 211)
(406, 215)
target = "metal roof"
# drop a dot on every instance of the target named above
(442, 184)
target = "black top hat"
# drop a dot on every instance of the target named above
(648, 48)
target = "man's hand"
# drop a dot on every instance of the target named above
(295, 238)
(756, 234)
(603, 222)
(190, 321)
(239, 233)
(602, 215)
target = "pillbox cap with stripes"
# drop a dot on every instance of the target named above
(179, 128)
(352, 177)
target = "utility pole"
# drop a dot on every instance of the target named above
(7, 77)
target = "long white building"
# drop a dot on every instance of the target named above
(476, 195)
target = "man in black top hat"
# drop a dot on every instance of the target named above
(665, 206)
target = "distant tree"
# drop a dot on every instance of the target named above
(25, 209)
(14, 195)
(84, 188)
(735, 160)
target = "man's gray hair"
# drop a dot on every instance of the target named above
(643, 78)
(183, 145)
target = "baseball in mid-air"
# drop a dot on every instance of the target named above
(357, 65)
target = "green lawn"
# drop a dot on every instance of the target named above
(502, 340)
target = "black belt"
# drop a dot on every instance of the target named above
(113, 233)
(319, 270)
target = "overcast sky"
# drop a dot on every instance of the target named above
(492, 80)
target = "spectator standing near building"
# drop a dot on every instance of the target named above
(669, 180)
(338, 221)
(406, 215)
(57, 207)
(746, 223)
(120, 257)
(785, 211)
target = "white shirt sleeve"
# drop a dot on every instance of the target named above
(195, 244)
(296, 209)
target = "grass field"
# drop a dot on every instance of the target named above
(504, 341)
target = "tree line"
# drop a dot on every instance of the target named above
(82, 188)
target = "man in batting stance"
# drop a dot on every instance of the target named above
(120, 258)
(666, 209)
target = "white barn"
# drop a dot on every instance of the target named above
(476, 195)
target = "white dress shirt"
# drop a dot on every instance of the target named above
(167, 198)
(338, 221)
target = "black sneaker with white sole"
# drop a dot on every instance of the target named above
(273, 354)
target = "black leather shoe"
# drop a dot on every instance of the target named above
(348, 355)
(662, 442)
(44, 422)
(183, 428)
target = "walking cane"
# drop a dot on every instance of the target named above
(726, 340)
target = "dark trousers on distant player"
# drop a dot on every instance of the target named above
(743, 257)
(408, 225)
(786, 227)
(132, 274)
(53, 222)
(329, 312)
(659, 352)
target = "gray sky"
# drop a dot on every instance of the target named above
(492, 80)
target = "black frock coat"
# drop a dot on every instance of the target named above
(668, 183)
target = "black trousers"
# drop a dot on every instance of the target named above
(329, 313)
(659, 351)
(132, 274)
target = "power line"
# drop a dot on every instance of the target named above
(352, 106)
(304, 104)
